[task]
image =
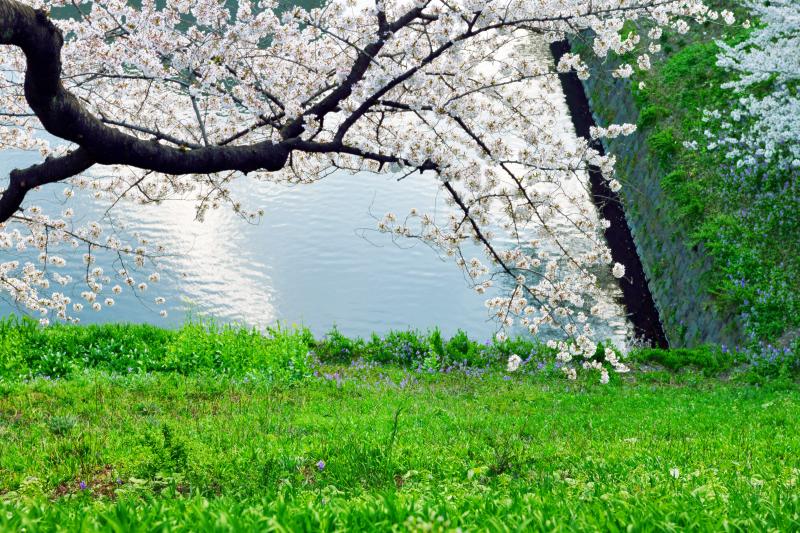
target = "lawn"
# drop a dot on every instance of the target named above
(362, 446)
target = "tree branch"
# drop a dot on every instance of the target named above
(52, 170)
(64, 116)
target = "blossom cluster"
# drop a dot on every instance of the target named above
(39, 286)
(768, 57)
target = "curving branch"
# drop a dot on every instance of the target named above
(64, 116)
(53, 169)
(100, 141)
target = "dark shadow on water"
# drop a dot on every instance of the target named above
(635, 291)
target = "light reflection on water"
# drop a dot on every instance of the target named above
(315, 259)
(306, 262)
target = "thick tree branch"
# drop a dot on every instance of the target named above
(62, 114)
(53, 169)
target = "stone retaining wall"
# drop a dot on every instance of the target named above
(674, 271)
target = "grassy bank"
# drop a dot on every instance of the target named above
(283, 355)
(375, 448)
(284, 431)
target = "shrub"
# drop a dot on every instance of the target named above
(650, 115)
(337, 348)
(663, 145)
(461, 349)
(406, 348)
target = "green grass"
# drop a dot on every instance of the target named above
(279, 354)
(234, 440)
(167, 451)
(282, 355)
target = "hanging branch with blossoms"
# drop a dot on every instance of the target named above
(178, 99)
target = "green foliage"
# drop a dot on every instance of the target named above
(410, 349)
(709, 359)
(650, 115)
(663, 145)
(336, 347)
(764, 364)
(61, 350)
(168, 454)
(284, 356)
(406, 348)
(747, 220)
(520, 346)
(693, 74)
(461, 349)
(687, 196)
(27, 349)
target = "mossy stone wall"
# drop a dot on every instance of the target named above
(674, 270)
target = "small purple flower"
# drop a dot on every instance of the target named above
(320, 465)
(82, 485)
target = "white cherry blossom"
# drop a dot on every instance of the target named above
(176, 100)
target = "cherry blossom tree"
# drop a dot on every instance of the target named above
(151, 102)
(771, 55)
